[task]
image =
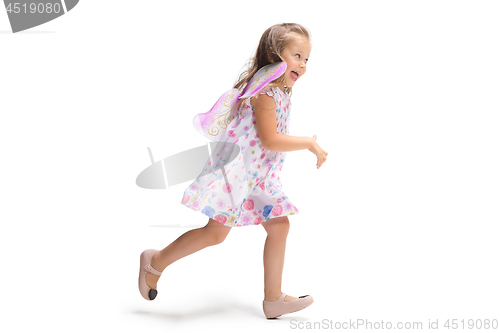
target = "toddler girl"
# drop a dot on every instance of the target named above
(247, 190)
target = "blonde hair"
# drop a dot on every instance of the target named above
(272, 43)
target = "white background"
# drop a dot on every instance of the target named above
(400, 223)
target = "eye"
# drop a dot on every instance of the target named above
(298, 55)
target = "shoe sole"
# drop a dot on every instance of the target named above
(302, 308)
(289, 312)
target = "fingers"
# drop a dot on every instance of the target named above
(321, 160)
(319, 163)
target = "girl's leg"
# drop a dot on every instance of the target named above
(189, 242)
(274, 257)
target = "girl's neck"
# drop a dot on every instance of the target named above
(282, 87)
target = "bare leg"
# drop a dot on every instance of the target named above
(189, 242)
(274, 257)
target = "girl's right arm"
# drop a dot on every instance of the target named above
(265, 118)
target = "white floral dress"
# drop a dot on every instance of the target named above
(247, 190)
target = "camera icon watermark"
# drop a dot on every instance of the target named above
(188, 165)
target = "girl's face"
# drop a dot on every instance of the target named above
(296, 55)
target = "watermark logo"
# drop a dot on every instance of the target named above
(24, 15)
(187, 165)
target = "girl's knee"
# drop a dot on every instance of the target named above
(216, 233)
(218, 238)
(279, 227)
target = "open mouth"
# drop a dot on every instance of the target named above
(294, 75)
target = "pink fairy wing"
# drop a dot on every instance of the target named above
(213, 124)
(263, 76)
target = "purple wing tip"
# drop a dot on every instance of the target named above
(204, 122)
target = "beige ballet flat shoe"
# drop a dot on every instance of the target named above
(147, 292)
(280, 307)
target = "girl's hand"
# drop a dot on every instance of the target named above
(319, 152)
